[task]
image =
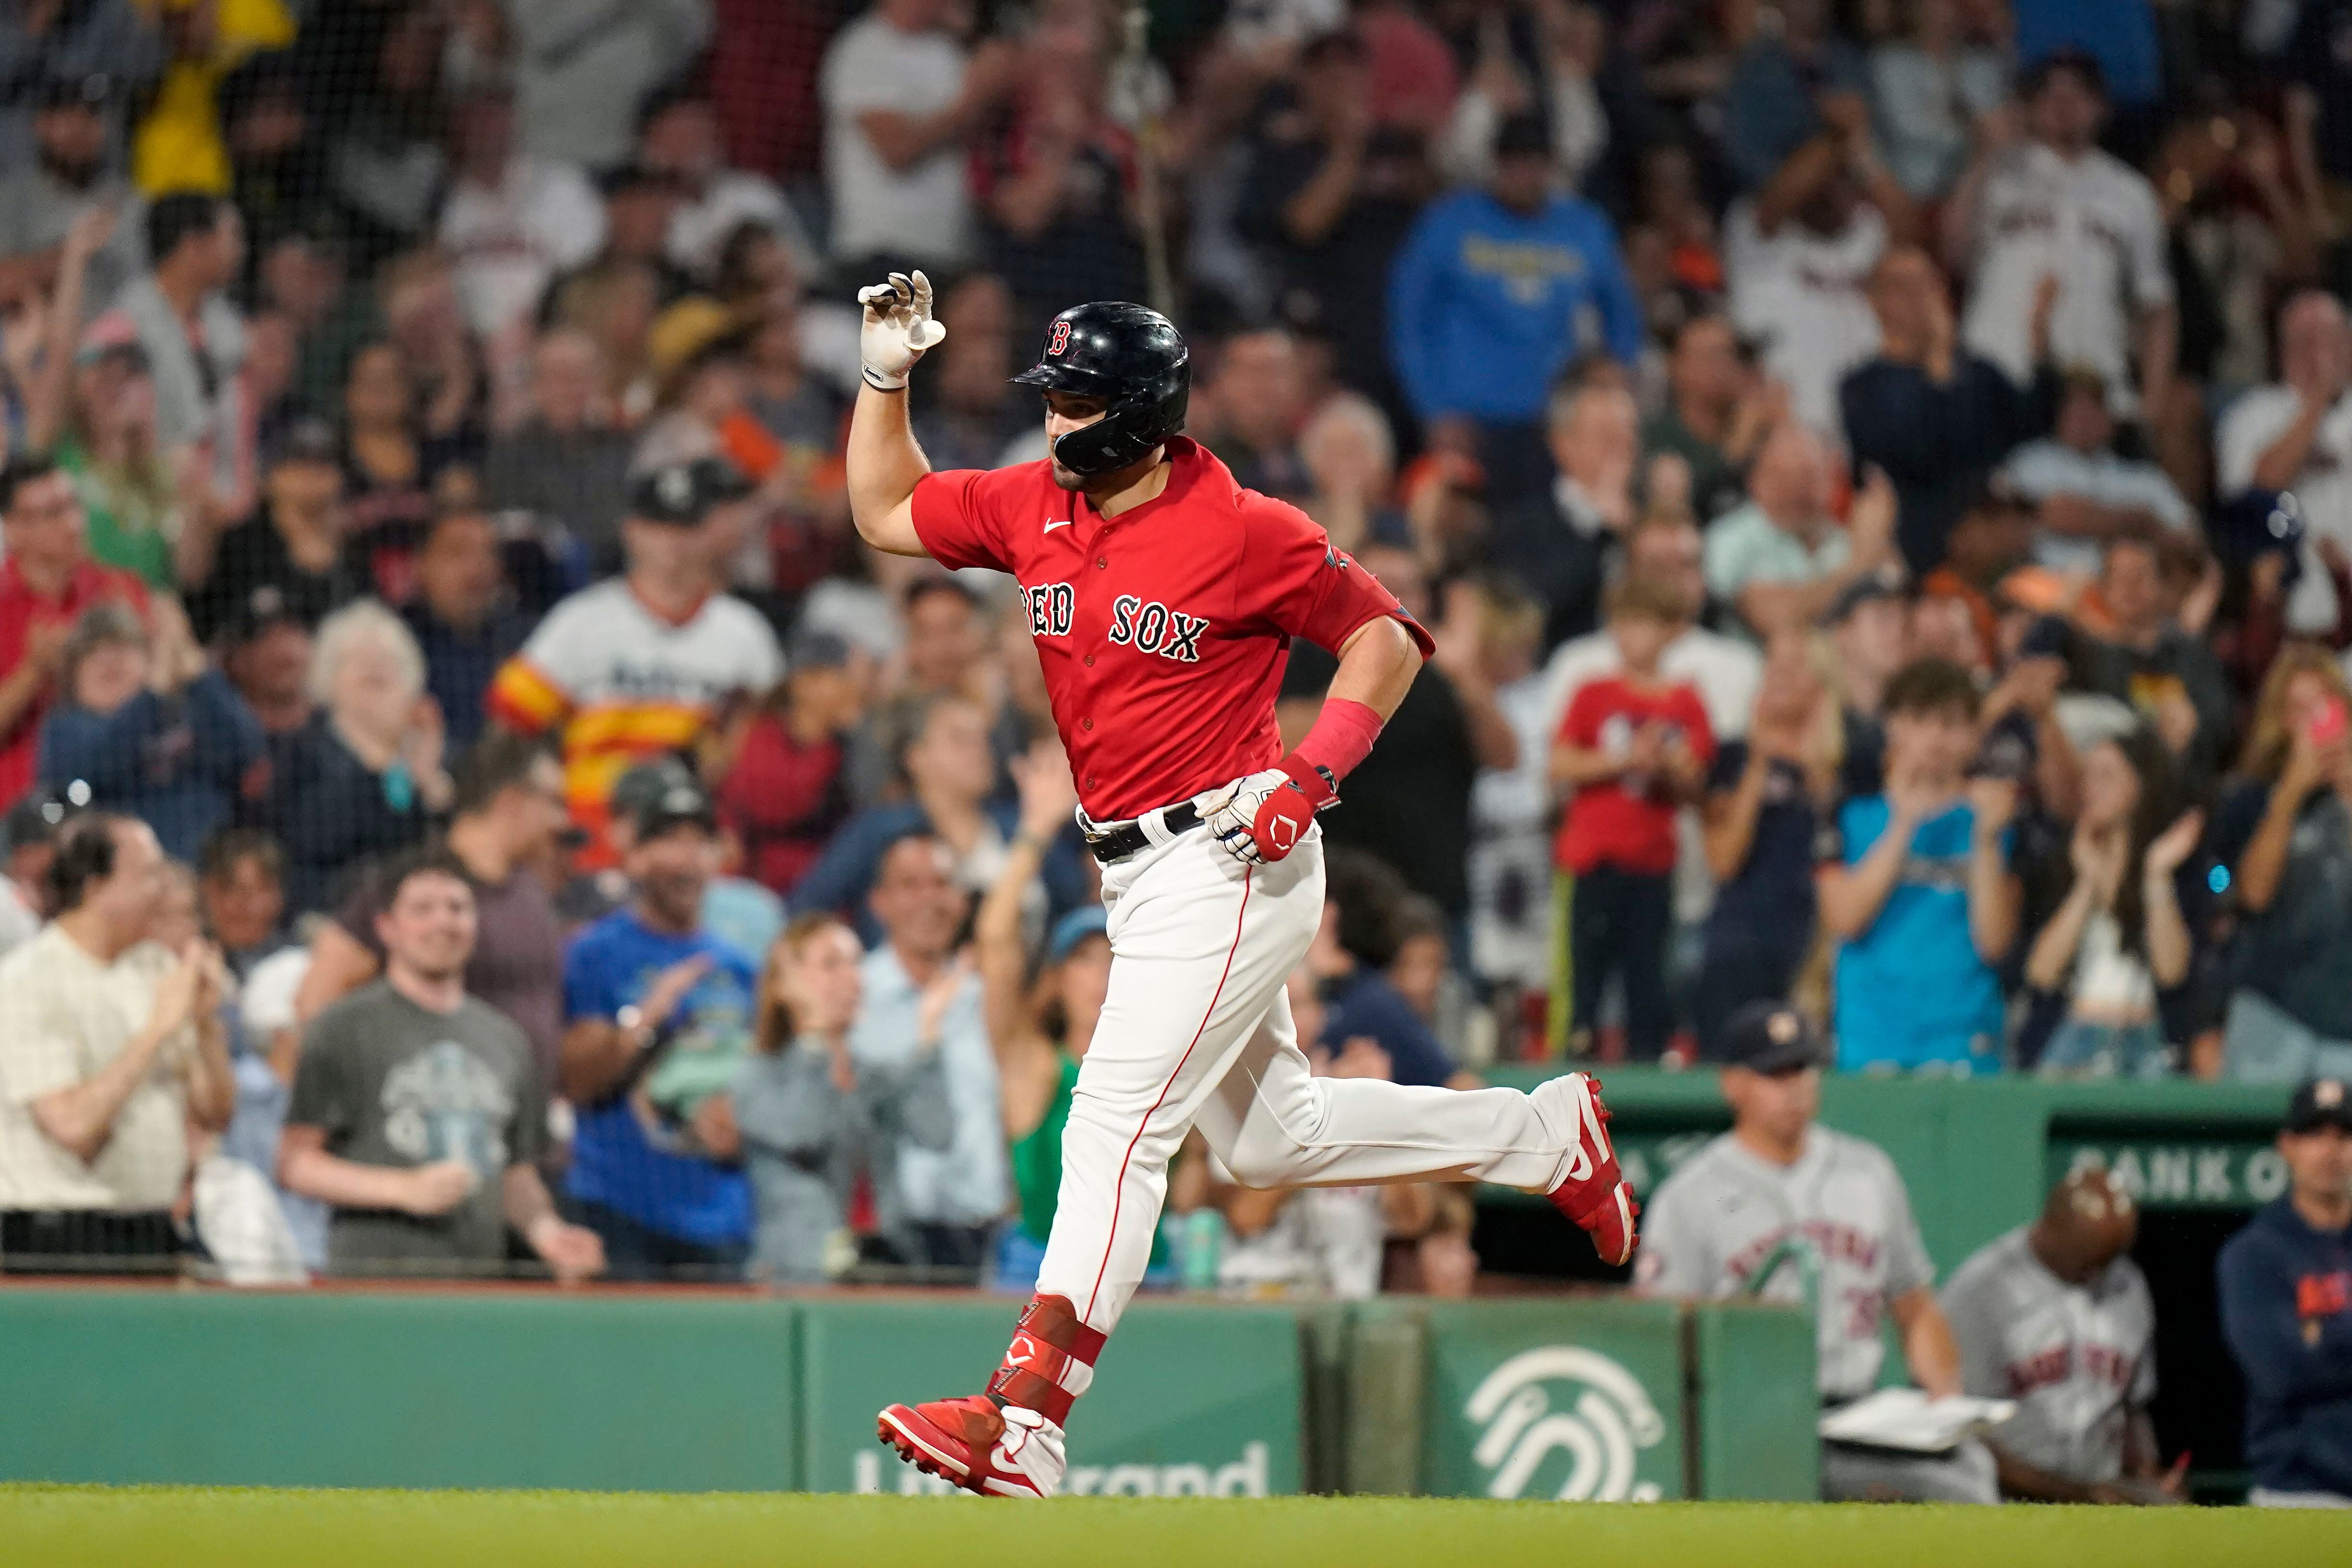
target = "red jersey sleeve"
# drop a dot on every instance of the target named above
(958, 515)
(1294, 577)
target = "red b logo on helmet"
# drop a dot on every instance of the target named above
(1060, 340)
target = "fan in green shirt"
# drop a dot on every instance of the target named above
(128, 493)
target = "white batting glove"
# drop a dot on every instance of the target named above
(899, 330)
(1232, 813)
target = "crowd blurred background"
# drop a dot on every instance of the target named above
(1876, 473)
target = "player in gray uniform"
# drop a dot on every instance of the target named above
(1776, 1176)
(2055, 1317)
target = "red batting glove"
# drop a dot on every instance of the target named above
(1284, 816)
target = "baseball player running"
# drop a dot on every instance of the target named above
(1162, 597)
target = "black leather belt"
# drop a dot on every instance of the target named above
(1113, 844)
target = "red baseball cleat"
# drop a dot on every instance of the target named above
(1594, 1193)
(994, 1450)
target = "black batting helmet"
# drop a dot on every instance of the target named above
(1130, 357)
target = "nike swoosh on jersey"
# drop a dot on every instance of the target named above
(1054, 522)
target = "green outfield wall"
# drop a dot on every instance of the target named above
(1556, 1396)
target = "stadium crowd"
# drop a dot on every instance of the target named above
(1879, 478)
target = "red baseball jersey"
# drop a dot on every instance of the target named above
(1163, 631)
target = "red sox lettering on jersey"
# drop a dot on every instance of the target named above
(1162, 632)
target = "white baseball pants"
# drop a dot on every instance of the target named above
(1196, 1029)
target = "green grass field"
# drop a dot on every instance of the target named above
(174, 1526)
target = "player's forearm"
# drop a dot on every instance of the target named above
(212, 1080)
(1933, 1355)
(1377, 664)
(1993, 902)
(596, 1052)
(2054, 949)
(2019, 1479)
(884, 464)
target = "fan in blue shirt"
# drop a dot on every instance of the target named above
(1496, 291)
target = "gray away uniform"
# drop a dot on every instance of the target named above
(1712, 1224)
(2078, 1359)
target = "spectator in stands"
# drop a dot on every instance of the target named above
(1931, 92)
(1797, 251)
(1869, 633)
(1329, 197)
(74, 173)
(2056, 206)
(1768, 794)
(1781, 559)
(132, 503)
(566, 464)
(2287, 1316)
(2084, 493)
(638, 204)
(974, 413)
(900, 98)
(110, 1049)
(647, 987)
(678, 138)
(1476, 344)
(1260, 395)
(2118, 937)
(1716, 413)
(1509, 863)
(814, 1121)
(1363, 905)
(289, 559)
(194, 338)
(1916, 889)
(1778, 1176)
(2056, 1316)
(2296, 435)
(241, 884)
(1663, 547)
(507, 817)
(2284, 832)
(144, 725)
(365, 776)
(465, 620)
(1350, 453)
(265, 653)
(389, 467)
(579, 77)
(110, 37)
(950, 776)
(1934, 416)
(952, 1200)
(641, 664)
(1560, 543)
(28, 837)
(1056, 178)
(1789, 86)
(46, 583)
(1633, 748)
(418, 1112)
(514, 217)
(780, 788)
(2149, 660)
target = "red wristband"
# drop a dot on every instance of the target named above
(1342, 737)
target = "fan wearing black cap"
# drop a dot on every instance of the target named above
(28, 838)
(39, 201)
(2286, 1311)
(648, 662)
(1777, 1179)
